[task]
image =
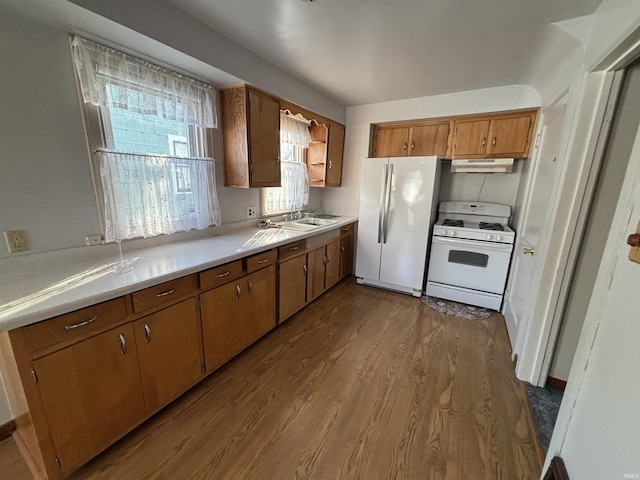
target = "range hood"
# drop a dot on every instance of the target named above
(482, 165)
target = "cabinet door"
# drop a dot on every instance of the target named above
(470, 138)
(332, 265)
(264, 141)
(315, 280)
(292, 286)
(260, 302)
(429, 139)
(170, 352)
(510, 136)
(346, 255)
(335, 153)
(391, 142)
(91, 393)
(223, 326)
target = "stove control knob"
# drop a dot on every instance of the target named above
(499, 238)
(488, 236)
(452, 233)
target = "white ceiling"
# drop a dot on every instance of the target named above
(367, 51)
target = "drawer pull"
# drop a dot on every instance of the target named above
(223, 274)
(293, 249)
(81, 324)
(164, 294)
(123, 344)
(237, 291)
(249, 286)
(264, 260)
(147, 332)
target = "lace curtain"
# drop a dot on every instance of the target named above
(294, 192)
(294, 130)
(140, 85)
(146, 195)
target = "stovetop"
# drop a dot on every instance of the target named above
(475, 221)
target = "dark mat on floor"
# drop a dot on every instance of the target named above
(545, 403)
(456, 309)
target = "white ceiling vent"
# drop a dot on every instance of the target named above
(482, 165)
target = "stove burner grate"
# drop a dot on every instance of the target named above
(491, 226)
(447, 222)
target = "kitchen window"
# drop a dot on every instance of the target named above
(147, 127)
(294, 192)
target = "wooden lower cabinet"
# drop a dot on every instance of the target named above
(346, 254)
(170, 352)
(236, 314)
(315, 279)
(292, 286)
(91, 394)
(332, 264)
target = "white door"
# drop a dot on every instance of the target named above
(521, 291)
(374, 171)
(406, 230)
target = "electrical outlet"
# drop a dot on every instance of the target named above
(16, 241)
(93, 239)
(252, 212)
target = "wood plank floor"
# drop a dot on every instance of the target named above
(362, 384)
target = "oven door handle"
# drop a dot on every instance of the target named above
(460, 242)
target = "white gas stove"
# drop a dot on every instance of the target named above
(470, 253)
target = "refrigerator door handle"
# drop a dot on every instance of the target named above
(387, 204)
(381, 209)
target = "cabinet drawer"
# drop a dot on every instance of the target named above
(222, 274)
(261, 260)
(165, 292)
(74, 324)
(292, 249)
(346, 229)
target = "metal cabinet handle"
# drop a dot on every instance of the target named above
(249, 286)
(494, 141)
(404, 147)
(484, 141)
(413, 145)
(293, 249)
(329, 163)
(342, 249)
(82, 323)
(123, 344)
(306, 270)
(223, 274)
(328, 258)
(529, 251)
(264, 260)
(237, 291)
(147, 332)
(164, 294)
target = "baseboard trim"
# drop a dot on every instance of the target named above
(7, 429)
(556, 383)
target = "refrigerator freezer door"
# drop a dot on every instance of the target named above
(408, 221)
(370, 219)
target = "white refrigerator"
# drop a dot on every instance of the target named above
(398, 203)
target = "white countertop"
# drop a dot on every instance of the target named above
(44, 285)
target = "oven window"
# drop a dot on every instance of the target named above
(468, 258)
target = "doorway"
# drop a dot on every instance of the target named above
(610, 177)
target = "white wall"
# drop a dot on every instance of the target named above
(359, 119)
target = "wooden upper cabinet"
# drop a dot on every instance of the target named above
(423, 138)
(251, 137)
(506, 135)
(391, 142)
(335, 154)
(470, 138)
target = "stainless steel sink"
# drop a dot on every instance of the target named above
(309, 223)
